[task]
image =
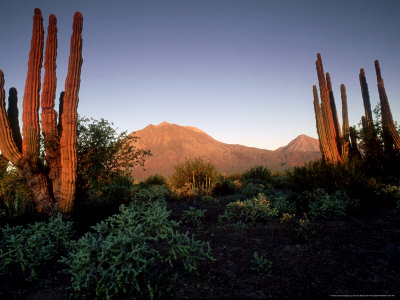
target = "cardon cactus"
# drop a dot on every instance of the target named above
(331, 127)
(390, 135)
(345, 143)
(53, 183)
(371, 141)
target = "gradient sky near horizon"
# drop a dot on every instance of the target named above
(242, 71)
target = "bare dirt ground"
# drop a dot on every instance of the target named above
(349, 256)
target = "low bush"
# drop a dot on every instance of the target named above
(282, 204)
(153, 193)
(15, 198)
(257, 175)
(251, 190)
(209, 200)
(156, 179)
(322, 205)
(260, 264)
(193, 216)
(137, 253)
(104, 200)
(249, 211)
(223, 187)
(28, 252)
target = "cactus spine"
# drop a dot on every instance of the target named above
(53, 189)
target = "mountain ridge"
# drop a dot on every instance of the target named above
(172, 143)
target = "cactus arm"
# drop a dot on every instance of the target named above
(346, 133)
(12, 114)
(7, 145)
(334, 111)
(69, 118)
(326, 155)
(49, 115)
(327, 113)
(387, 119)
(30, 114)
(365, 96)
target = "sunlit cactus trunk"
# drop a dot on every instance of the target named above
(52, 184)
(371, 141)
(69, 117)
(332, 150)
(345, 144)
(390, 135)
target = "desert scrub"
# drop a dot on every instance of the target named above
(27, 251)
(137, 253)
(152, 193)
(252, 190)
(193, 216)
(282, 204)
(249, 211)
(323, 205)
(257, 175)
(260, 264)
(209, 200)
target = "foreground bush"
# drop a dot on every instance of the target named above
(323, 205)
(27, 252)
(15, 198)
(249, 211)
(137, 254)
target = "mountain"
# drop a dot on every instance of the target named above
(172, 143)
(303, 143)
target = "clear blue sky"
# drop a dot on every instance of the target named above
(242, 71)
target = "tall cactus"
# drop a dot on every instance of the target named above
(345, 143)
(323, 141)
(334, 112)
(69, 118)
(333, 151)
(52, 189)
(390, 135)
(371, 141)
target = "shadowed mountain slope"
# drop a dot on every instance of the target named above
(171, 143)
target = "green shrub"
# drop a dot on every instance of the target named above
(196, 172)
(279, 181)
(390, 194)
(14, 194)
(137, 253)
(249, 211)
(282, 204)
(27, 252)
(193, 216)
(209, 200)
(251, 190)
(103, 200)
(323, 205)
(156, 179)
(152, 193)
(223, 187)
(260, 264)
(260, 175)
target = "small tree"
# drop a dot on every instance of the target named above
(104, 154)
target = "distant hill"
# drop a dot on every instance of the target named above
(303, 143)
(172, 143)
